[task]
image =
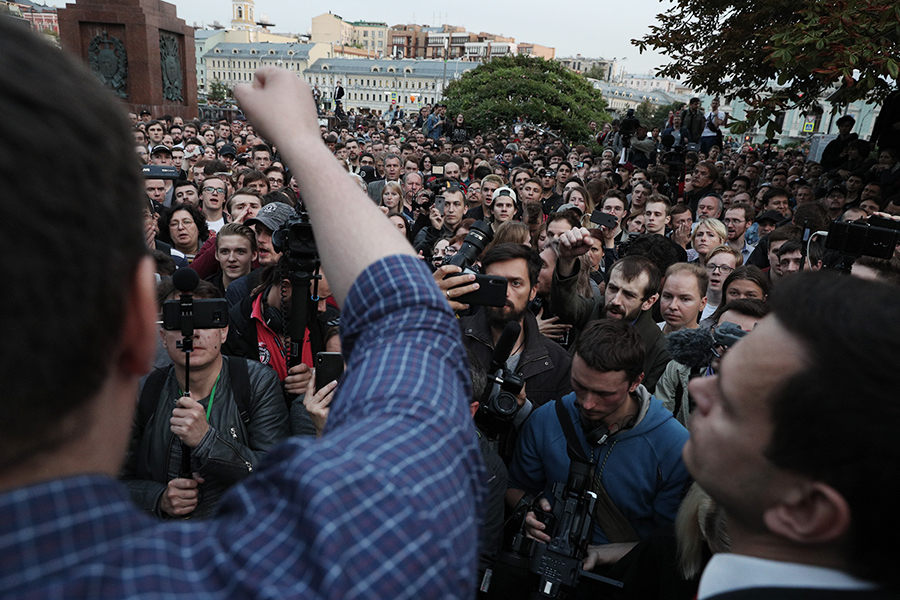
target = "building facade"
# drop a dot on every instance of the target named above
(375, 85)
(582, 64)
(232, 63)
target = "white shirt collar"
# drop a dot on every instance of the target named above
(730, 572)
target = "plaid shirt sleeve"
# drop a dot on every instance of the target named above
(385, 505)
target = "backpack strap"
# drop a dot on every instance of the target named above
(240, 385)
(149, 399)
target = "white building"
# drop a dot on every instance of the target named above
(377, 84)
(232, 63)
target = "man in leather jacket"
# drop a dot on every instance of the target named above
(224, 445)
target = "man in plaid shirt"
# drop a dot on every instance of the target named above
(384, 505)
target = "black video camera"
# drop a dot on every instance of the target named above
(492, 288)
(296, 239)
(557, 564)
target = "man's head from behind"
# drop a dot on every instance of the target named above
(757, 435)
(98, 313)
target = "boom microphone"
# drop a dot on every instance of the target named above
(691, 347)
(505, 345)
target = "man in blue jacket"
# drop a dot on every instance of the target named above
(632, 441)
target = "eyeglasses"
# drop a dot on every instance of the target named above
(732, 221)
(724, 269)
(449, 251)
(213, 190)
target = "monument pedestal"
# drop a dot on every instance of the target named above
(139, 49)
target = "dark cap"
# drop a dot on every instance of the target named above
(272, 215)
(770, 215)
(161, 149)
(837, 188)
(145, 112)
(226, 150)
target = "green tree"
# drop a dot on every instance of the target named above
(218, 91)
(644, 113)
(779, 54)
(661, 114)
(595, 72)
(543, 93)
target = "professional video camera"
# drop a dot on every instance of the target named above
(555, 567)
(499, 405)
(296, 241)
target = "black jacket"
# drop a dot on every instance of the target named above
(545, 366)
(228, 452)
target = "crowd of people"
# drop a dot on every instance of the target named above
(633, 269)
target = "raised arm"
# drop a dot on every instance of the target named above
(282, 108)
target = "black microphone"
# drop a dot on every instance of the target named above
(186, 279)
(691, 347)
(505, 345)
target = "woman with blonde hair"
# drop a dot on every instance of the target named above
(708, 234)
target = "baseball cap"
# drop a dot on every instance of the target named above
(272, 215)
(770, 215)
(504, 191)
(226, 150)
(161, 149)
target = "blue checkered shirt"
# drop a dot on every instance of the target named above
(383, 506)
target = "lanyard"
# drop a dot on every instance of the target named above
(212, 396)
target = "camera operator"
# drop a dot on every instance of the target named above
(542, 363)
(309, 523)
(224, 446)
(633, 442)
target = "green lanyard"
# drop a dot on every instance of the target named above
(212, 396)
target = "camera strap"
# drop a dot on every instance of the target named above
(607, 515)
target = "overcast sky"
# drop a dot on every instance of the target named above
(583, 27)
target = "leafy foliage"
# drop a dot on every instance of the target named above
(218, 91)
(644, 113)
(595, 72)
(661, 114)
(779, 54)
(543, 93)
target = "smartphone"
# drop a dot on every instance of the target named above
(329, 367)
(439, 204)
(209, 313)
(607, 220)
(491, 291)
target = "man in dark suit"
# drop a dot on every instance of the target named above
(795, 438)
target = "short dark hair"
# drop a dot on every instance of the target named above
(749, 307)
(849, 355)
(633, 265)
(195, 213)
(749, 273)
(608, 345)
(260, 148)
(774, 193)
(510, 251)
(91, 144)
(568, 216)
